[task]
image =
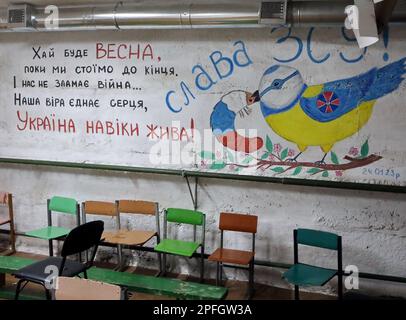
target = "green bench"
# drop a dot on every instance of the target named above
(134, 282)
(158, 286)
(9, 264)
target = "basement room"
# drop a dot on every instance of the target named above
(242, 152)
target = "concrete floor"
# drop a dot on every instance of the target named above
(237, 289)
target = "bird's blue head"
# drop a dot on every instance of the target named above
(279, 88)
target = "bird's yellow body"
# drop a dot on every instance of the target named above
(296, 126)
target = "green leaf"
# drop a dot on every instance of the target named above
(284, 153)
(278, 169)
(269, 144)
(313, 170)
(297, 171)
(365, 149)
(248, 159)
(265, 155)
(217, 165)
(324, 174)
(334, 158)
(230, 156)
(238, 169)
(207, 155)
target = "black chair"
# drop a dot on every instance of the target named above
(80, 239)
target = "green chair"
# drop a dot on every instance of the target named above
(50, 233)
(181, 247)
(308, 275)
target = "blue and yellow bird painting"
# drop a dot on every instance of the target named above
(323, 114)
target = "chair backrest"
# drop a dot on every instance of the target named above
(68, 288)
(316, 238)
(4, 198)
(99, 208)
(137, 207)
(82, 238)
(319, 239)
(62, 204)
(185, 216)
(238, 222)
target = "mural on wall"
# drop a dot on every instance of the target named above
(307, 115)
(300, 103)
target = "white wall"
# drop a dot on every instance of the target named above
(372, 224)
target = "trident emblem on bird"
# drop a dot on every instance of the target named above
(305, 114)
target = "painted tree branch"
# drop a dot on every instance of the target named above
(353, 163)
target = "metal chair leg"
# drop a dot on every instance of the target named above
(164, 264)
(119, 257)
(12, 239)
(221, 273)
(202, 266)
(217, 273)
(121, 260)
(251, 281)
(51, 248)
(19, 289)
(47, 294)
(296, 292)
(340, 287)
(158, 240)
(159, 264)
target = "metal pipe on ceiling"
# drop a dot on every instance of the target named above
(159, 14)
(3, 18)
(151, 15)
(304, 13)
(321, 13)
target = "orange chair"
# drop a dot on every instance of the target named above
(99, 208)
(240, 223)
(135, 239)
(6, 199)
(119, 236)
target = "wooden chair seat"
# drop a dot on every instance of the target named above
(129, 238)
(232, 256)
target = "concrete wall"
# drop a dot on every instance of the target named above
(372, 224)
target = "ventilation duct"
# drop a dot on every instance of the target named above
(19, 17)
(160, 14)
